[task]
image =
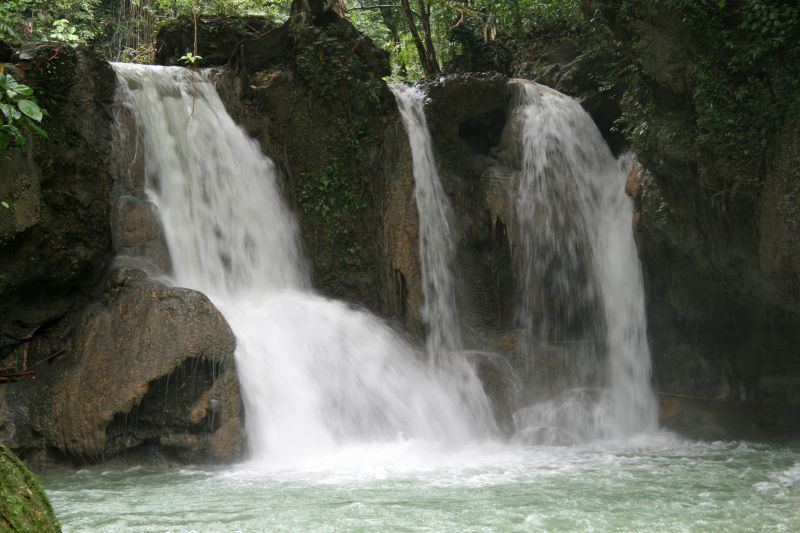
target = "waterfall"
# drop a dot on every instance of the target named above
(436, 240)
(437, 257)
(315, 374)
(582, 308)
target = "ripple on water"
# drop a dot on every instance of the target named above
(655, 485)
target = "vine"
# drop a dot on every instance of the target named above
(20, 110)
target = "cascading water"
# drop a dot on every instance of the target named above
(582, 309)
(437, 257)
(314, 373)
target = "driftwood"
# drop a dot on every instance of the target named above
(17, 376)
(13, 373)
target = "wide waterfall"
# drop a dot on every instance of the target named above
(437, 256)
(315, 374)
(582, 306)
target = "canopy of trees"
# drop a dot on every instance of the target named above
(421, 35)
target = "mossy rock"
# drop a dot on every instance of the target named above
(23, 504)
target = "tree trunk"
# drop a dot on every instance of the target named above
(519, 29)
(586, 10)
(425, 16)
(412, 28)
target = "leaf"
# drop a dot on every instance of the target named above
(30, 108)
(37, 129)
(23, 90)
(5, 204)
(17, 135)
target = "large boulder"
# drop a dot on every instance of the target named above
(149, 367)
(23, 504)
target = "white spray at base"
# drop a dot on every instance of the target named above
(315, 374)
(580, 276)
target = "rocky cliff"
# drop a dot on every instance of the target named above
(711, 109)
(98, 358)
(82, 248)
(705, 94)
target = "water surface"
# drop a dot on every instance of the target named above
(654, 485)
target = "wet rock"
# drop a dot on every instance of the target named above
(137, 232)
(501, 385)
(23, 504)
(55, 238)
(401, 273)
(468, 116)
(779, 226)
(332, 178)
(151, 366)
(217, 37)
(711, 420)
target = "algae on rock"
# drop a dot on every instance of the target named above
(23, 505)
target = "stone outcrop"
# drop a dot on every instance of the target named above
(55, 238)
(23, 504)
(105, 361)
(150, 366)
(320, 111)
(217, 38)
(717, 229)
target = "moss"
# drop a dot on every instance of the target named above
(23, 504)
(344, 102)
(729, 68)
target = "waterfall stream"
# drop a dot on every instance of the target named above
(582, 307)
(315, 373)
(437, 256)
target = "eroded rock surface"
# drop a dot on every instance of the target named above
(104, 360)
(55, 242)
(149, 366)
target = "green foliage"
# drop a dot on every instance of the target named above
(23, 504)
(327, 62)
(70, 21)
(174, 8)
(481, 29)
(65, 32)
(333, 203)
(332, 192)
(742, 65)
(190, 60)
(123, 29)
(20, 111)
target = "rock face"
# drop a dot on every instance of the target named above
(217, 38)
(320, 111)
(106, 361)
(55, 238)
(468, 118)
(150, 366)
(718, 232)
(23, 504)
